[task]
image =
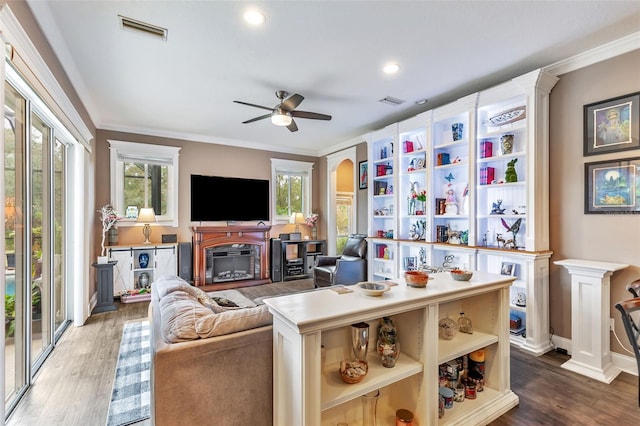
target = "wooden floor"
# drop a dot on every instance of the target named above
(74, 386)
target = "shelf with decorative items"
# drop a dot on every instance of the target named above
(413, 178)
(318, 341)
(502, 173)
(529, 294)
(139, 265)
(451, 177)
(486, 184)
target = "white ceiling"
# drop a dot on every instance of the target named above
(331, 52)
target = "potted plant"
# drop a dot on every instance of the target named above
(108, 217)
(312, 221)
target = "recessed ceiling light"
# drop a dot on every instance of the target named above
(391, 68)
(421, 101)
(254, 17)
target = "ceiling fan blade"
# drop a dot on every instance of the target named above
(292, 127)
(262, 117)
(254, 105)
(311, 115)
(292, 102)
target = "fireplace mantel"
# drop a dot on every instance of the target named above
(208, 237)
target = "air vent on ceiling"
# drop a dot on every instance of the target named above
(133, 24)
(390, 100)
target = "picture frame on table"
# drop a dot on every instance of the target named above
(508, 268)
(612, 187)
(612, 125)
(363, 174)
(410, 263)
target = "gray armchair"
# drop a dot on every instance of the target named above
(349, 268)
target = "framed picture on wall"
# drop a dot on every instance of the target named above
(612, 125)
(612, 186)
(363, 174)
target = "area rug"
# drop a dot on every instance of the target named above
(131, 396)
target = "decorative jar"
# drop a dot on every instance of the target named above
(388, 345)
(143, 260)
(448, 328)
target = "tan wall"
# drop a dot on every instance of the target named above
(195, 158)
(345, 177)
(362, 194)
(575, 234)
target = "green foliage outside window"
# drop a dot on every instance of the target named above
(289, 194)
(146, 181)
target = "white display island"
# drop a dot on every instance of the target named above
(308, 389)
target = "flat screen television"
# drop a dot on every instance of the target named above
(217, 198)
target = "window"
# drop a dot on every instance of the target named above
(144, 175)
(344, 219)
(290, 189)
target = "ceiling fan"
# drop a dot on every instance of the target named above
(283, 113)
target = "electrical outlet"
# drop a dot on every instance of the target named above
(611, 324)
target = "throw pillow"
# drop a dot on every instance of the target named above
(232, 321)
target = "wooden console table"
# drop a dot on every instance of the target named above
(207, 237)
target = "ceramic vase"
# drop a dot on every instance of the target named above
(143, 260)
(113, 236)
(388, 345)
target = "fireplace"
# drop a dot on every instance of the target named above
(230, 256)
(232, 262)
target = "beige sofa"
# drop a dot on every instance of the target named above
(220, 380)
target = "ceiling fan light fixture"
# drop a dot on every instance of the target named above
(281, 118)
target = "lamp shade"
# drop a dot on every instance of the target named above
(296, 218)
(146, 215)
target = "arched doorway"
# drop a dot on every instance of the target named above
(341, 221)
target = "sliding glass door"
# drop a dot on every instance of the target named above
(15, 246)
(35, 294)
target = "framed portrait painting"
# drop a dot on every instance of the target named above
(612, 125)
(612, 186)
(363, 175)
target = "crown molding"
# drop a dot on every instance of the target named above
(601, 53)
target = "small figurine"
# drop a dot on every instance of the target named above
(451, 203)
(510, 174)
(496, 208)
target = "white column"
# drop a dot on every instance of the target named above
(590, 296)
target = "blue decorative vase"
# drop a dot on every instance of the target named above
(143, 260)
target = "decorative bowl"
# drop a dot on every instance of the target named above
(460, 275)
(373, 289)
(353, 371)
(416, 278)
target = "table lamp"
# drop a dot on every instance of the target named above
(146, 216)
(297, 218)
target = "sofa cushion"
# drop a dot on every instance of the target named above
(232, 321)
(168, 284)
(179, 312)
